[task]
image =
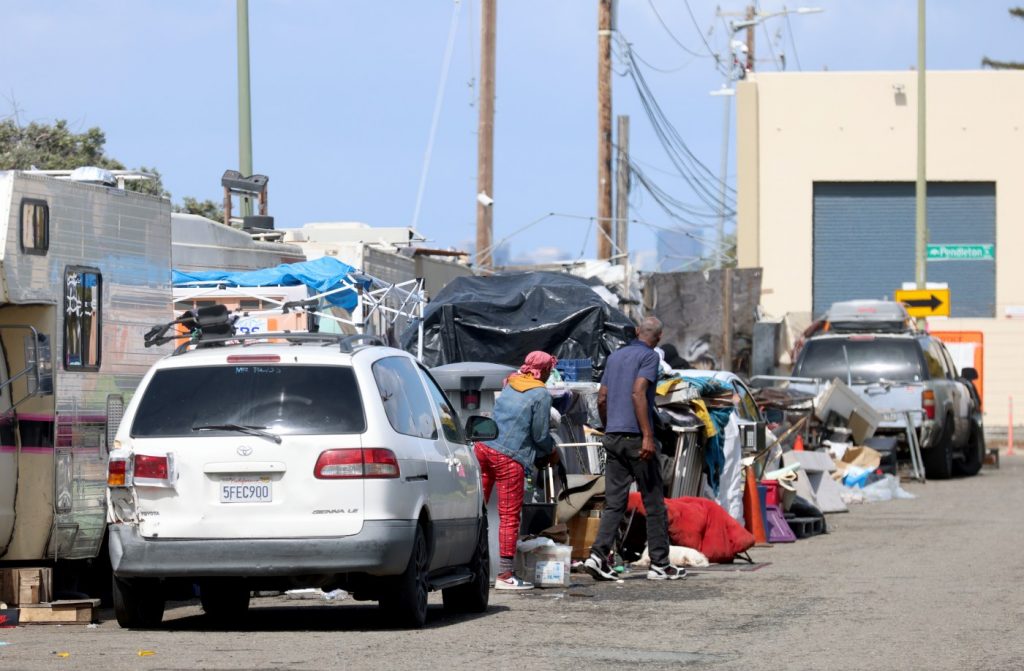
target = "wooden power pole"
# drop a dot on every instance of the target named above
(622, 193)
(604, 129)
(751, 13)
(485, 137)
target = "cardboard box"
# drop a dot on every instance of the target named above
(20, 586)
(546, 566)
(583, 532)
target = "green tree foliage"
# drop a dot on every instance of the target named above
(206, 208)
(57, 147)
(987, 62)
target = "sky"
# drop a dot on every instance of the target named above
(344, 94)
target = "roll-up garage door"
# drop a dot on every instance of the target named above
(864, 241)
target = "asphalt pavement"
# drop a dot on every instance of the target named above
(929, 583)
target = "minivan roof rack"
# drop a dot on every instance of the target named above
(214, 325)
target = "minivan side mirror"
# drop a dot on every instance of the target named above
(480, 428)
(969, 374)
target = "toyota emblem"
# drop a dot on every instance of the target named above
(244, 450)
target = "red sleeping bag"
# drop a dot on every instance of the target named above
(703, 525)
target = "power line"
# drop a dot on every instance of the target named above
(697, 175)
(792, 41)
(707, 46)
(675, 39)
(438, 102)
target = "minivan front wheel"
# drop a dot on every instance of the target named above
(138, 603)
(406, 601)
(473, 597)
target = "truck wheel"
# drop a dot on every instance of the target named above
(938, 460)
(138, 603)
(473, 596)
(224, 599)
(406, 601)
(974, 453)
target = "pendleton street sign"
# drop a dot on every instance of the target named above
(924, 302)
(961, 252)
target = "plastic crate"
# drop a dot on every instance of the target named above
(576, 370)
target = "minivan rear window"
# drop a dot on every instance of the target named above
(286, 400)
(862, 361)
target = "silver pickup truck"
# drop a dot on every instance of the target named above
(907, 372)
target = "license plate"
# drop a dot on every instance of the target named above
(246, 491)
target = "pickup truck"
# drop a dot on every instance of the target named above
(907, 372)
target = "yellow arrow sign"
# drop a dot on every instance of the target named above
(924, 302)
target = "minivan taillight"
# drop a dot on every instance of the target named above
(928, 403)
(147, 466)
(117, 470)
(371, 462)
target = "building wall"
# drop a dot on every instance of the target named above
(795, 129)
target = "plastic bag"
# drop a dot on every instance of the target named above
(886, 489)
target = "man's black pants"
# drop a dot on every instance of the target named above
(622, 467)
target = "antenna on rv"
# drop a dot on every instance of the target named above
(246, 188)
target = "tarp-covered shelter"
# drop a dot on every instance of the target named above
(322, 275)
(503, 317)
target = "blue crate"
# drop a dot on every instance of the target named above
(576, 370)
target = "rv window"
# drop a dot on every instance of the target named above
(35, 226)
(250, 305)
(82, 301)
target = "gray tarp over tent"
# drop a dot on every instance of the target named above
(503, 317)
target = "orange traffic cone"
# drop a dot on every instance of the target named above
(752, 513)
(798, 444)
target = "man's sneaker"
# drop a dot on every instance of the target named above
(598, 567)
(511, 581)
(667, 572)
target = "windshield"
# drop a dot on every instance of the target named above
(874, 360)
(282, 400)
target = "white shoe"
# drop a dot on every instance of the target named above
(667, 572)
(511, 581)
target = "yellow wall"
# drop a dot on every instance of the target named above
(794, 129)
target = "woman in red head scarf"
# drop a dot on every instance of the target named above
(523, 415)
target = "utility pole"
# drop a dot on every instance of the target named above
(244, 109)
(604, 129)
(751, 13)
(921, 190)
(622, 194)
(485, 136)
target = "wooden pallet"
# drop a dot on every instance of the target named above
(78, 611)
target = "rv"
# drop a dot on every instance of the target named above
(85, 270)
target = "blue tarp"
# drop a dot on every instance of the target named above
(714, 449)
(321, 275)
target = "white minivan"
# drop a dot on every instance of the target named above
(295, 460)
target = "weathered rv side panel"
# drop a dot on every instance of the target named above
(103, 278)
(203, 244)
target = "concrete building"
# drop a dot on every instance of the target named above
(826, 166)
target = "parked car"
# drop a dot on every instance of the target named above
(309, 460)
(907, 372)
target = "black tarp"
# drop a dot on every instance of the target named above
(501, 318)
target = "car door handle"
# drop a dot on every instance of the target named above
(413, 478)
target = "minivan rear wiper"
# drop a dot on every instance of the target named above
(241, 428)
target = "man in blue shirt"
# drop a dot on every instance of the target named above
(626, 405)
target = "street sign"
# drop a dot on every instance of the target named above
(924, 302)
(961, 252)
